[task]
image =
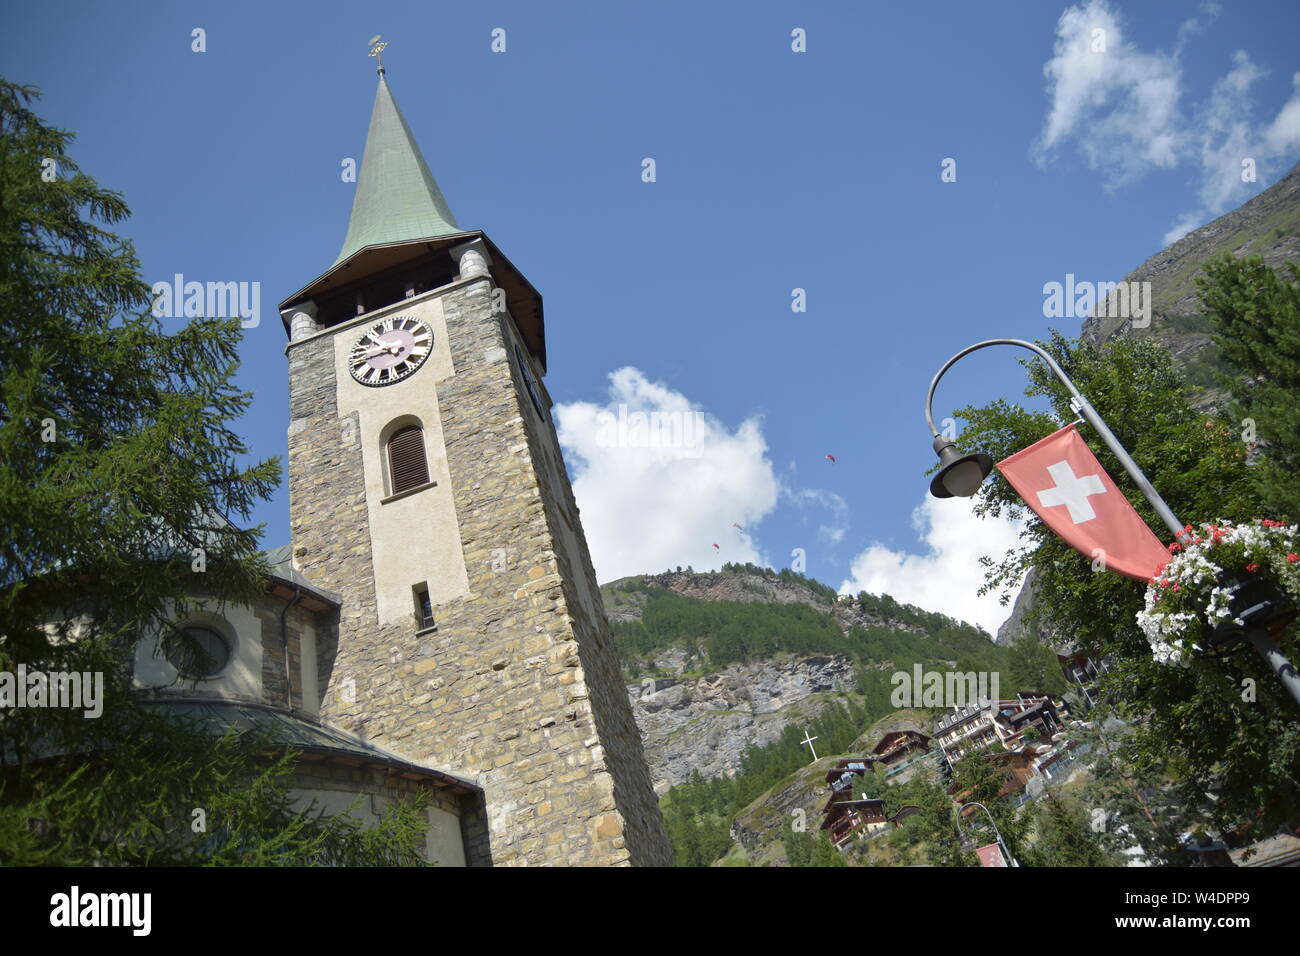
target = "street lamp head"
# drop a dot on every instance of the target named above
(959, 475)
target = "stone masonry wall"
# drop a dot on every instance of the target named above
(274, 690)
(620, 736)
(327, 775)
(517, 687)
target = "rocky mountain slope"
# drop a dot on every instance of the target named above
(1267, 226)
(704, 724)
(699, 710)
(625, 598)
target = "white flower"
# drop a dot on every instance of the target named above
(1166, 653)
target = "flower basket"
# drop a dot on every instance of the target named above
(1222, 581)
(1253, 603)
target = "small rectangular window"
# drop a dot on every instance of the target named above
(423, 608)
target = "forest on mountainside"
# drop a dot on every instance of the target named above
(698, 814)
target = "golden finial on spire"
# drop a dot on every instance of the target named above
(377, 48)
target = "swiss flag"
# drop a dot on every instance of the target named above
(1061, 479)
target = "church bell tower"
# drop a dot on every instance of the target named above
(427, 489)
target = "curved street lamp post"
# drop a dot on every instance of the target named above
(962, 475)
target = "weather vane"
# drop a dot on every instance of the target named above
(377, 48)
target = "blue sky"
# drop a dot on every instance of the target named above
(775, 170)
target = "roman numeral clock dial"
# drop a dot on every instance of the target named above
(390, 350)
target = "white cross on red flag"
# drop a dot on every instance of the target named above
(1062, 480)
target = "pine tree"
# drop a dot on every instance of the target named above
(118, 470)
(1033, 667)
(935, 827)
(797, 848)
(824, 854)
(1065, 837)
(1255, 313)
(980, 778)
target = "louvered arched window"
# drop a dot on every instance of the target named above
(407, 465)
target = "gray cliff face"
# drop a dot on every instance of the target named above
(1026, 619)
(732, 586)
(691, 721)
(705, 723)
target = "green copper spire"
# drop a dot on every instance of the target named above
(397, 198)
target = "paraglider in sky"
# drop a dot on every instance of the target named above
(831, 457)
(717, 547)
(737, 527)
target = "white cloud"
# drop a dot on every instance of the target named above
(1117, 104)
(837, 525)
(1284, 132)
(1120, 108)
(658, 492)
(947, 575)
(1226, 135)
(1182, 226)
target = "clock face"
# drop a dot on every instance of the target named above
(390, 350)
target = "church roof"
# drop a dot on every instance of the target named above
(314, 739)
(397, 198)
(280, 561)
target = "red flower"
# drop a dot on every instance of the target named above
(1292, 558)
(1174, 546)
(1252, 566)
(1175, 587)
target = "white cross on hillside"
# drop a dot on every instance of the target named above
(1071, 491)
(808, 742)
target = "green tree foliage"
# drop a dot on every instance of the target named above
(696, 820)
(1065, 836)
(1220, 724)
(1128, 814)
(934, 828)
(1255, 315)
(980, 778)
(824, 854)
(812, 847)
(137, 807)
(118, 467)
(728, 632)
(1033, 667)
(799, 847)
